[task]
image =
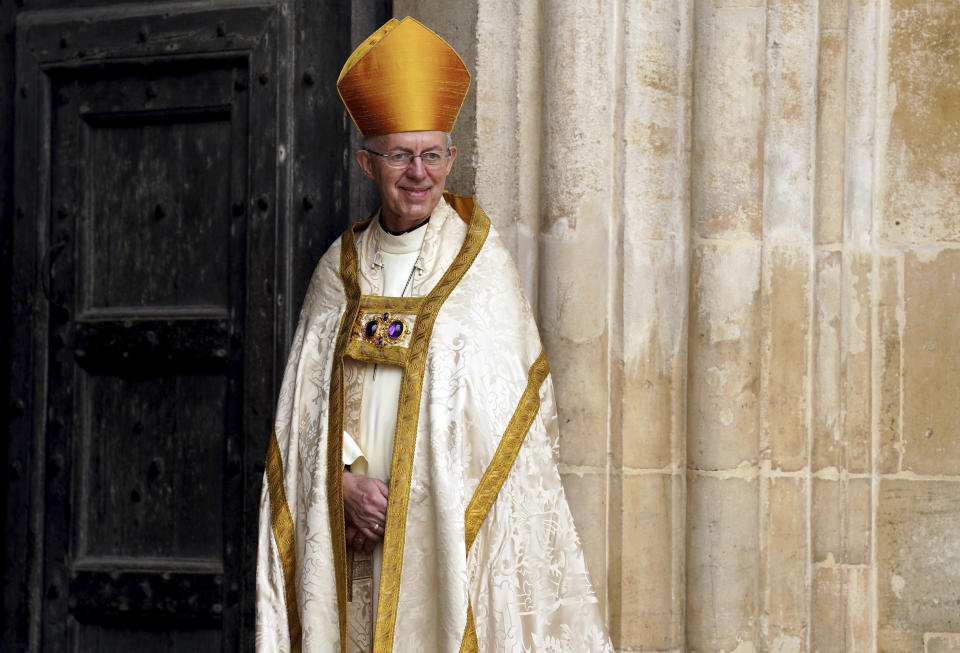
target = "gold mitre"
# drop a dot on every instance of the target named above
(403, 78)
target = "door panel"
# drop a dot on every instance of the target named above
(153, 271)
(179, 169)
(152, 260)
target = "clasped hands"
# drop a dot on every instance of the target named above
(365, 505)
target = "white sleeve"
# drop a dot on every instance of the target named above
(351, 450)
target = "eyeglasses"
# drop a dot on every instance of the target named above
(430, 159)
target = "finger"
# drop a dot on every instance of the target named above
(371, 534)
(381, 487)
(369, 546)
(359, 542)
(375, 494)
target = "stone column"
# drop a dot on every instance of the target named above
(649, 314)
(738, 222)
(579, 78)
(840, 455)
(786, 304)
(724, 368)
(916, 338)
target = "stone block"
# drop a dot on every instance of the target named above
(580, 379)
(922, 161)
(861, 124)
(784, 562)
(656, 107)
(573, 325)
(889, 325)
(654, 366)
(831, 94)
(728, 118)
(722, 602)
(724, 357)
(841, 520)
(918, 562)
(790, 99)
(841, 610)
(833, 15)
(931, 358)
(577, 117)
(785, 306)
(856, 361)
(827, 329)
(941, 643)
(649, 557)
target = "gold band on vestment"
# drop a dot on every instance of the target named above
(412, 358)
(351, 286)
(496, 473)
(406, 435)
(282, 522)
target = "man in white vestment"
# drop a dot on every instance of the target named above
(411, 500)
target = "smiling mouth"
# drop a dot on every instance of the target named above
(416, 191)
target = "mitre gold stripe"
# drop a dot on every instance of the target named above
(283, 533)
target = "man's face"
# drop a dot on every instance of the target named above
(408, 194)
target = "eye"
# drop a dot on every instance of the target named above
(430, 157)
(398, 157)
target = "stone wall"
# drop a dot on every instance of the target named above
(739, 223)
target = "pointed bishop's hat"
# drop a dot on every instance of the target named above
(403, 78)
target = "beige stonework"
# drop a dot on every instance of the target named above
(646, 549)
(890, 314)
(784, 563)
(785, 305)
(923, 107)
(724, 365)
(737, 222)
(918, 561)
(941, 642)
(842, 612)
(722, 554)
(931, 343)
(841, 529)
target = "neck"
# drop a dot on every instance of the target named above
(393, 232)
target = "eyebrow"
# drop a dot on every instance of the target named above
(410, 151)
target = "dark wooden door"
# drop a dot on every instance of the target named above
(168, 217)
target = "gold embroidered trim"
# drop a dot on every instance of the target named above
(370, 353)
(378, 304)
(282, 522)
(406, 435)
(351, 287)
(469, 644)
(500, 465)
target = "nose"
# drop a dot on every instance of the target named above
(416, 169)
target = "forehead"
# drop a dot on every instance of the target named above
(413, 141)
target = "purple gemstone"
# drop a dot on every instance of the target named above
(370, 329)
(379, 342)
(386, 316)
(396, 328)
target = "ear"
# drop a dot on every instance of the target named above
(452, 157)
(363, 159)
